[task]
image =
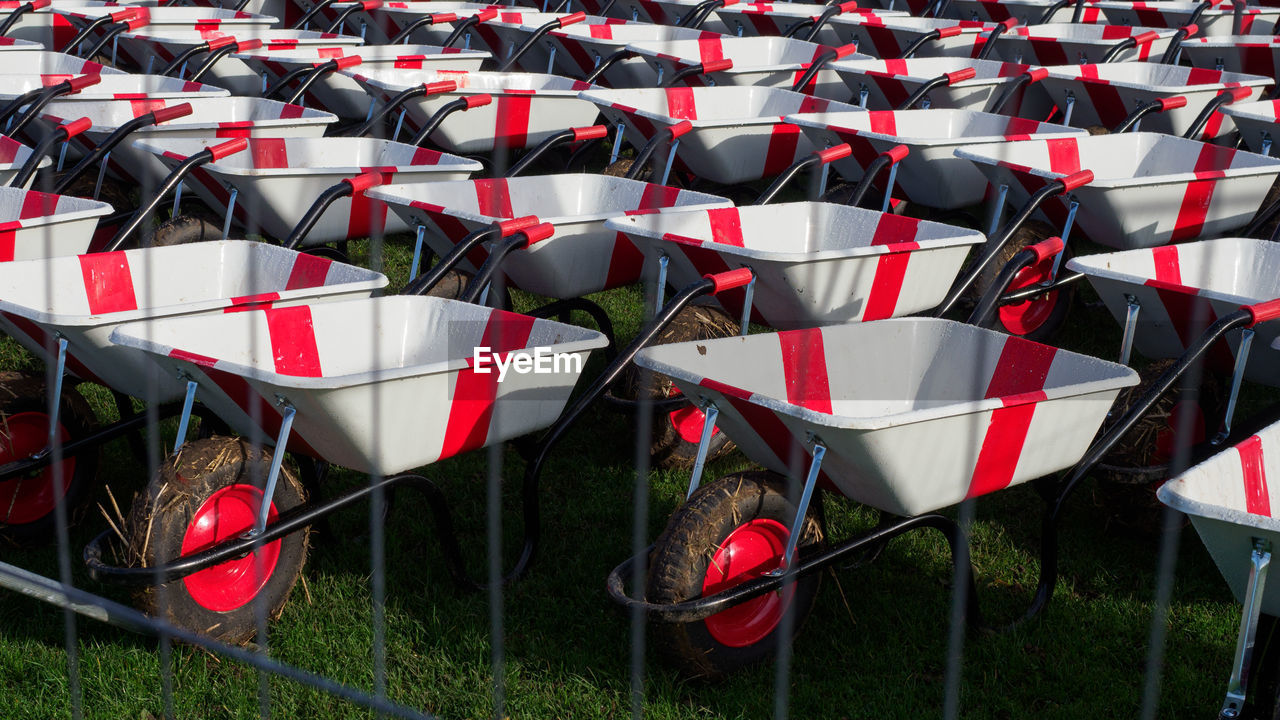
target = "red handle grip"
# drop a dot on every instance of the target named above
(589, 133)
(1263, 311)
(727, 3)
(368, 5)
(538, 233)
(680, 128)
(573, 19)
(230, 147)
(1009, 23)
(1076, 180)
(1238, 94)
(220, 42)
(360, 183)
(947, 32)
(717, 65)
(1037, 74)
(126, 15)
(896, 153)
(436, 88)
(486, 15)
(38, 4)
(347, 61)
(475, 101)
(834, 153)
(1146, 38)
(136, 23)
(514, 225)
(1046, 249)
(75, 127)
(83, 81)
(173, 112)
(848, 7)
(844, 51)
(440, 18)
(729, 280)
(247, 45)
(1191, 29)
(961, 75)
(1171, 103)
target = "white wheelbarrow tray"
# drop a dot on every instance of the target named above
(775, 18)
(1215, 21)
(1230, 505)
(888, 83)
(761, 61)
(153, 50)
(887, 37)
(386, 21)
(225, 117)
(579, 48)
(407, 392)
(1027, 12)
(1106, 94)
(144, 88)
(738, 133)
(1178, 286)
(338, 92)
(814, 263)
(527, 108)
(503, 37)
(13, 155)
(581, 258)
(1257, 122)
(36, 225)
(1065, 43)
(84, 297)
(1148, 189)
(277, 179)
(930, 174)
(664, 12)
(38, 60)
(1249, 54)
(915, 414)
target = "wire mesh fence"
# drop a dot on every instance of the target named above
(326, 426)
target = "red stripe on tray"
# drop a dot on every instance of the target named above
(625, 263)
(1209, 168)
(493, 199)
(268, 153)
(8, 244)
(37, 204)
(368, 216)
(655, 198)
(781, 152)
(726, 226)
(1018, 381)
(680, 103)
(512, 127)
(804, 369)
(142, 107)
(293, 341)
(308, 271)
(476, 389)
(710, 49)
(8, 149)
(244, 303)
(237, 129)
(1257, 500)
(600, 32)
(1047, 52)
(1064, 155)
(883, 121)
(1105, 97)
(291, 112)
(891, 268)
(425, 156)
(894, 91)
(108, 284)
(1166, 263)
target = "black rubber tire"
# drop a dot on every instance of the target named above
(682, 554)
(23, 392)
(451, 285)
(183, 230)
(160, 516)
(667, 449)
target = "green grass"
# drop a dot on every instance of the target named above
(875, 646)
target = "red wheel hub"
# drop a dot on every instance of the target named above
(228, 513)
(751, 550)
(27, 499)
(1026, 317)
(687, 420)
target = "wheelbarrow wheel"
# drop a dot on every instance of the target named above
(730, 531)
(208, 492)
(676, 433)
(28, 502)
(184, 230)
(1039, 318)
(451, 285)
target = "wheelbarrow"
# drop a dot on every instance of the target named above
(266, 188)
(1248, 54)
(443, 24)
(40, 61)
(65, 308)
(1106, 94)
(1256, 122)
(805, 21)
(99, 26)
(1212, 19)
(1076, 44)
(522, 44)
(13, 157)
(905, 37)
(513, 111)
(1026, 12)
(338, 92)
(598, 53)
(734, 135)
(947, 84)
(759, 61)
(930, 174)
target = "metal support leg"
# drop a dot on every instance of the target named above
(231, 208)
(1237, 686)
(185, 420)
(660, 291)
(177, 200)
(62, 155)
(395, 136)
(1130, 327)
(888, 191)
(551, 60)
(1242, 359)
(617, 144)
(1066, 226)
(997, 209)
(55, 408)
(102, 174)
(671, 158)
(1266, 143)
(710, 412)
(815, 467)
(1071, 105)
(863, 92)
(277, 457)
(746, 305)
(417, 252)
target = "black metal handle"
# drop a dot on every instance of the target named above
(400, 99)
(345, 188)
(614, 58)
(425, 20)
(1226, 97)
(214, 56)
(95, 156)
(466, 24)
(312, 12)
(996, 32)
(1175, 44)
(91, 26)
(342, 17)
(814, 67)
(699, 14)
(813, 160)
(60, 134)
(661, 138)
(883, 161)
(1031, 76)
(919, 43)
(572, 135)
(15, 15)
(534, 37)
(449, 108)
(1155, 106)
(1049, 12)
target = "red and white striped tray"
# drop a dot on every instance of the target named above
(1250, 54)
(579, 48)
(888, 37)
(775, 18)
(992, 410)
(1257, 122)
(1068, 44)
(888, 83)
(1215, 21)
